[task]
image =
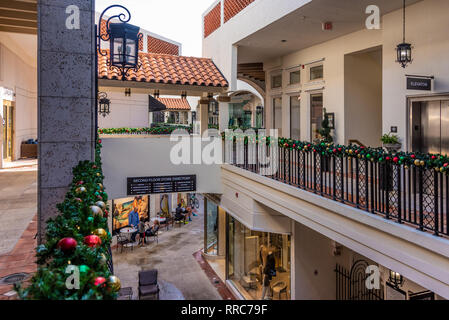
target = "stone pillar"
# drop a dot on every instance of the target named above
(203, 114)
(223, 112)
(66, 99)
(153, 203)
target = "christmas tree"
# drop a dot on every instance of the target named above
(74, 263)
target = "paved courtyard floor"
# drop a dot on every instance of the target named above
(18, 204)
(179, 272)
(18, 221)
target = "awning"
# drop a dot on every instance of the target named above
(155, 105)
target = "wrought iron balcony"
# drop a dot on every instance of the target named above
(410, 194)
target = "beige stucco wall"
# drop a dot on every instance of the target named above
(19, 74)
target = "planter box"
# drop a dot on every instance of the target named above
(28, 150)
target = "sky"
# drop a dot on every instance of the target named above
(178, 20)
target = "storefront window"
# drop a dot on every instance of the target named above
(316, 73)
(316, 105)
(258, 263)
(277, 113)
(211, 228)
(295, 117)
(238, 117)
(295, 77)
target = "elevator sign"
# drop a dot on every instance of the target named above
(423, 84)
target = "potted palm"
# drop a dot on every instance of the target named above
(391, 143)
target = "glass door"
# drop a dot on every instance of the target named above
(316, 105)
(8, 130)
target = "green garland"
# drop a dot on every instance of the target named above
(75, 221)
(149, 131)
(435, 162)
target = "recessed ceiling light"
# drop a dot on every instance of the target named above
(283, 40)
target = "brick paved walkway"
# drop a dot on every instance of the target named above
(20, 259)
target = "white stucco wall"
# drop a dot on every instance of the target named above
(19, 74)
(426, 29)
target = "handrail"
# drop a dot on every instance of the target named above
(355, 141)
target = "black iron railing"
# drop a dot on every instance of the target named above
(414, 195)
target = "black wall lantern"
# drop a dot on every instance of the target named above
(104, 104)
(123, 41)
(396, 279)
(404, 50)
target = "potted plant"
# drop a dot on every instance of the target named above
(391, 143)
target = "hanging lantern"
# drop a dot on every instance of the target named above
(404, 50)
(104, 104)
(123, 41)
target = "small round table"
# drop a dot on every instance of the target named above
(128, 231)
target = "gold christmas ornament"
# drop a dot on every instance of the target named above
(101, 233)
(417, 163)
(103, 258)
(114, 283)
(98, 174)
(101, 205)
(101, 186)
(96, 211)
(422, 163)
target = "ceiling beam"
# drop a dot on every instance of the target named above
(19, 15)
(18, 23)
(18, 5)
(18, 30)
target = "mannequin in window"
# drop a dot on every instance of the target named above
(268, 271)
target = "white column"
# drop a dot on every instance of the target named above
(153, 202)
(223, 111)
(203, 114)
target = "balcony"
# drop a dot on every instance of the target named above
(413, 194)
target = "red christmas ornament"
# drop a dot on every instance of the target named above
(99, 141)
(413, 156)
(335, 150)
(99, 281)
(339, 149)
(105, 213)
(446, 165)
(67, 244)
(92, 241)
(294, 146)
(80, 183)
(396, 160)
(387, 158)
(433, 157)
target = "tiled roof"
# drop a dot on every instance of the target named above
(233, 7)
(168, 69)
(156, 45)
(212, 20)
(175, 103)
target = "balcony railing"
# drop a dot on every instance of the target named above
(411, 194)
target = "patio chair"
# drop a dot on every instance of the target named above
(148, 286)
(155, 235)
(279, 288)
(123, 242)
(125, 294)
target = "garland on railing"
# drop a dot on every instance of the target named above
(435, 162)
(425, 160)
(149, 131)
(77, 237)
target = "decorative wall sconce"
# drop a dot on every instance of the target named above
(104, 104)
(128, 92)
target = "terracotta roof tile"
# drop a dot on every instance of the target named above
(168, 69)
(175, 103)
